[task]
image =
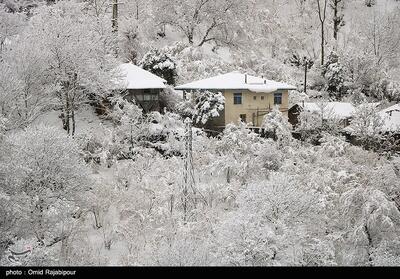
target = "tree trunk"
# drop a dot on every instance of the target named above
(190, 38)
(322, 17)
(335, 19)
(73, 121)
(67, 113)
(370, 245)
(322, 44)
(115, 15)
(96, 218)
(40, 230)
(305, 76)
(228, 175)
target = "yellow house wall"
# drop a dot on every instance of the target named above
(250, 106)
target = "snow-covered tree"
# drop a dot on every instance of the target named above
(201, 106)
(270, 226)
(45, 178)
(276, 124)
(237, 146)
(335, 76)
(200, 21)
(338, 17)
(80, 60)
(26, 90)
(366, 125)
(127, 116)
(161, 64)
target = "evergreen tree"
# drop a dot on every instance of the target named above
(161, 64)
(334, 73)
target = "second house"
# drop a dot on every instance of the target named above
(247, 98)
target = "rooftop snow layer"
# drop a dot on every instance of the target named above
(391, 116)
(236, 80)
(134, 77)
(337, 110)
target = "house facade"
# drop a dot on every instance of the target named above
(140, 86)
(247, 98)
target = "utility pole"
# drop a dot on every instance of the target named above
(322, 18)
(305, 75)
(114, 19)
(188, 191)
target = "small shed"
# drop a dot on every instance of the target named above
(391, 116)
(140, 85)
(329, 110)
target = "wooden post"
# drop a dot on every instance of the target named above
(115, 15)
(188, 191)
(305, 75)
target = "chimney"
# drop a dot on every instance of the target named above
(302, 103)
(245, 78)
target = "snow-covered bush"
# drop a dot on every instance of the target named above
(277, 125)
(366, 126)
(333, 145)
(309, 125)
(170, 98)
(164, 132)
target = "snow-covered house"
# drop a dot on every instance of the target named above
(247, 97)
(329, 110)
(391, 116)
(141, 86)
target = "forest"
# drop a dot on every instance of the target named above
(89, 178)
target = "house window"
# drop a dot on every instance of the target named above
(139, 97)
(237, 98)
(243, 117)
(147, 97)
(262, 97)
(277, 98)
(254, 98)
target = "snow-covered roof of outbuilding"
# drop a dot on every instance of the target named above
(338, 110)
(134, 77)
(391, 116)
(236, 80)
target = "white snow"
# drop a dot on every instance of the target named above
(391, 115)
(338, 110)
(236, 80)
(134, 77)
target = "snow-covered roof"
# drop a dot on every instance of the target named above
(134, 77)
(369, 105)
(338, 110)
(391, 116)
(236, 80)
